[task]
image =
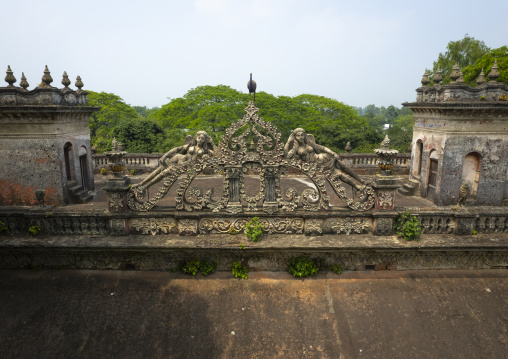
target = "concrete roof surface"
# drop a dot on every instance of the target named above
(128, 314)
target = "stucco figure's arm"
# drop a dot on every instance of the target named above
(171, 153)
(287, 146)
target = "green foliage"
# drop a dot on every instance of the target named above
(302, 267)
(474, 232)
(408, 227)
(139, 135)
(144, 111)
(401, 133)
(336, 268)
(192, 267)
(465, 52)
(254, 229)
(113, 111)
(3, 227)
(242, 246)
(233, 231)
(34, 230)
(472, 72)
(239, 271)
(207, 267)
(103, 171)
(132, 171)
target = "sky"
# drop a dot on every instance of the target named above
(148, 52)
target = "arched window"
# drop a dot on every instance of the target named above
(471, 171)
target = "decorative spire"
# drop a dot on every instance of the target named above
(481, 79)
(65, 81)
(461, 77)
(9, 78)
(348, 147)
(455, 74)
(425, 78)
(79, 83)
(46, 78)
(24, 82)
(438, 77)
(494, 72)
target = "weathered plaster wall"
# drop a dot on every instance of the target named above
(454, 130)
(32, 157)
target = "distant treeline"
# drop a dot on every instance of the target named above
(215, 108)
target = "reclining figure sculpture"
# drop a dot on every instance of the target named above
(194, 148)
(304, 147)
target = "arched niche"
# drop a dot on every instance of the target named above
(83, 165)
(69, 161)
(433, 174)
(471, 171)
(418, 158)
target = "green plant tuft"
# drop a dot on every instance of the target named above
(3, 227)
(408, 227)
(34, 230)
(239, 271)
(254, 229)
(133, 171)
(242, 246)
(207, 267)
(192, 267)
(302, 267)
(232, 231)
(103, 171)
(336, 268)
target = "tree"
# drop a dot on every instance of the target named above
(472, 72)
(144, 111)
(139, 135)
(113, 110)
(463, 52)
(401, 133)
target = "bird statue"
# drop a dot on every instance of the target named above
(251, 85)
(464, 192)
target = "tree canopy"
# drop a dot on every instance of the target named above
(472, 72)
(463, 52)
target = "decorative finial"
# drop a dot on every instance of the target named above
(455, 74)
(348, 147)
(251, 85)
(114, 143)
(481, 79)
(46, 78)
(425, 78)
(386, 143)
(24, 82)
(65, 81)
(438, 77)
(494, 72)
(79, 83)
(461, 77)
(9, 78)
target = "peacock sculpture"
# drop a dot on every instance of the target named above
(251, 85)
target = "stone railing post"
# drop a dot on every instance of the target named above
(117, 186)
(233, 177)
(384, 186)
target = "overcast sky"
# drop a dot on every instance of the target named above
(358, 52)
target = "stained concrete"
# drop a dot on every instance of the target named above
(114, 314)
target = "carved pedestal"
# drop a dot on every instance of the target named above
(117, 188)
(385, 187)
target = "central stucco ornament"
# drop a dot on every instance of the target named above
(252, 145)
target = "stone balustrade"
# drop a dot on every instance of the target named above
(363, 163)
